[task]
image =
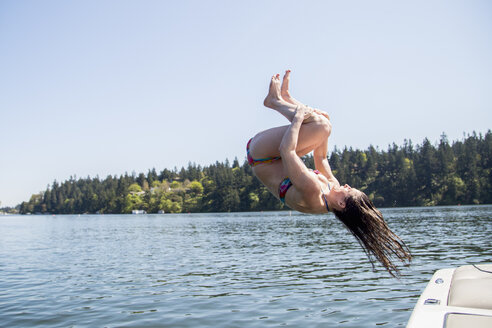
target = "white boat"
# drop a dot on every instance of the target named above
(456, 298)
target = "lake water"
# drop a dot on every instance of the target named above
(223, 270)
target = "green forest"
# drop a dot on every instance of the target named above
(427, 174)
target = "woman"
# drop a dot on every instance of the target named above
(275, 157)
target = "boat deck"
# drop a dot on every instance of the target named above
(456, 298)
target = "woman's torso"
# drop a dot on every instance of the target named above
(307, 201)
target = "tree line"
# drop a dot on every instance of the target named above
(422, 175)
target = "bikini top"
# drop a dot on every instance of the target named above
(324, 197)
(323, 192)
(286, 184)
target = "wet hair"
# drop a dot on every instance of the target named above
(366, 223)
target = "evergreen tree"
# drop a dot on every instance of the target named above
(445, 174)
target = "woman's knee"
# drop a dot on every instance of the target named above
(322, 124)
(326, 127)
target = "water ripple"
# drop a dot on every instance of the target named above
(222, 270)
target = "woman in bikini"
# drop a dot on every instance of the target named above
(275, 156)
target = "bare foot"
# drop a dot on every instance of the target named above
(285, 94)
(273, 99)
(284, 90)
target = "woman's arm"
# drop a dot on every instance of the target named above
(321, 163)
(296, 170)
(320, 158)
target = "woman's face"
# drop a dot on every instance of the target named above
(339, 194)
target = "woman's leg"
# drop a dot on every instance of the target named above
(311, 136)
(285, 94)
(275, 101)
(284, 90)
(314, 131)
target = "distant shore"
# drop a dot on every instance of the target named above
(456, 173)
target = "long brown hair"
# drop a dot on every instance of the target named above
(367, 225)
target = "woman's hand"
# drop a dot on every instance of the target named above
(304, 112)
(322, 113)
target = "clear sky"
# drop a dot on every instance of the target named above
(108, 87)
